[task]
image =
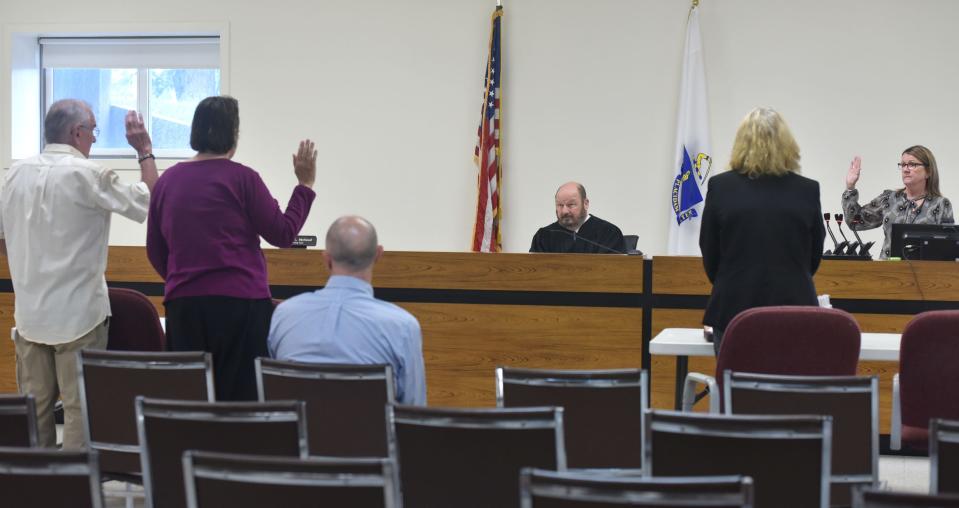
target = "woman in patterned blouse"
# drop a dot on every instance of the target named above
(918, 202)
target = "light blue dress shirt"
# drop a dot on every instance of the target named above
(344, 323)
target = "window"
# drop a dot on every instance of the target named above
(164, 78)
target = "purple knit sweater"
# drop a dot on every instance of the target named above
(204, 228)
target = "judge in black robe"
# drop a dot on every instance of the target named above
(575, 231)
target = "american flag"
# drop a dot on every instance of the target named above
(486, 233)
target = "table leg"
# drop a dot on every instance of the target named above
(682, 367)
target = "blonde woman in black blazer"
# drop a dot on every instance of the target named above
(762, 231)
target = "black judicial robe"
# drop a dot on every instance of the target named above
(556, 238)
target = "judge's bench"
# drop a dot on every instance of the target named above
(563, 311)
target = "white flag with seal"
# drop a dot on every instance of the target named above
(693, 151)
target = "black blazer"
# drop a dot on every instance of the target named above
(761, 241)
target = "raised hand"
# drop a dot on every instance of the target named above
(304, 163)
(137, 134)
(853, 175)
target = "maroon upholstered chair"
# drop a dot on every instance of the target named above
(135, 323)
(784, 340)
(927, 385)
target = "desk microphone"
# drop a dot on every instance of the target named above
(587, 240)
(835, 244)
(863, 246)
(852, 245)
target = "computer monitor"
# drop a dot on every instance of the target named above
(930, 242)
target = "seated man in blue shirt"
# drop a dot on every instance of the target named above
(344, 323)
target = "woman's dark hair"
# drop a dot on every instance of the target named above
(216, 125)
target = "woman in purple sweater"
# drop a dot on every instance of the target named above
(207, 215)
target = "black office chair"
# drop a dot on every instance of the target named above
(631, 243)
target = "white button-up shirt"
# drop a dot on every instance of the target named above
(55, 218)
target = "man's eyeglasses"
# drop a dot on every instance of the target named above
(911, 165)
(94, 130)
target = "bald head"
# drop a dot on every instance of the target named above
(351, 244)
(570, 187)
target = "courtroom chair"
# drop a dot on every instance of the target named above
(602, 410)
(787, 340)
(632, 242)
(18, 420)
(927, 385)
(167, 428)
(851, 401)
(252, 481)
(596, 489)
(344, 403)
(788, 457)
(471, 458)
(944, 456)
(134, 323)
(46, 477)
(110, 381)
(874, 498)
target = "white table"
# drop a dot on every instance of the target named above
(685, 342)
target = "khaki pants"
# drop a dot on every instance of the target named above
(48, 371)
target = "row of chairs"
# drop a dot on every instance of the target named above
(601, 418)
(446, 457)
(826, 342)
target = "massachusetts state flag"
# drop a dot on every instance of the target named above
(693, 152)
(486, 233)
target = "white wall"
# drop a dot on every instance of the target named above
(391, 92)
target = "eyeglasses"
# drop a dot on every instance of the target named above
(911, 165)
(94, 130)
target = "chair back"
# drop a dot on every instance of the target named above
(167, 428)
(788, 457)
(344, 403)
(110, 381)
(874, 498)
(602, 410)
(471, 457)
(944, 456)
(47, 477)
(18, 420)
(928, 377)
(252, 481)
(599, 489)
(631, 243)
(851, 401)
(134, 323)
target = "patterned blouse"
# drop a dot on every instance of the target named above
(892, 207)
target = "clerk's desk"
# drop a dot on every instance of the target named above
(564, 311)
(685, 342)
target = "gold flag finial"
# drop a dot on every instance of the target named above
(695, 3)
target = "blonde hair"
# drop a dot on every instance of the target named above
(764, 146)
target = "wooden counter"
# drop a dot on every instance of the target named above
(478, 311)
